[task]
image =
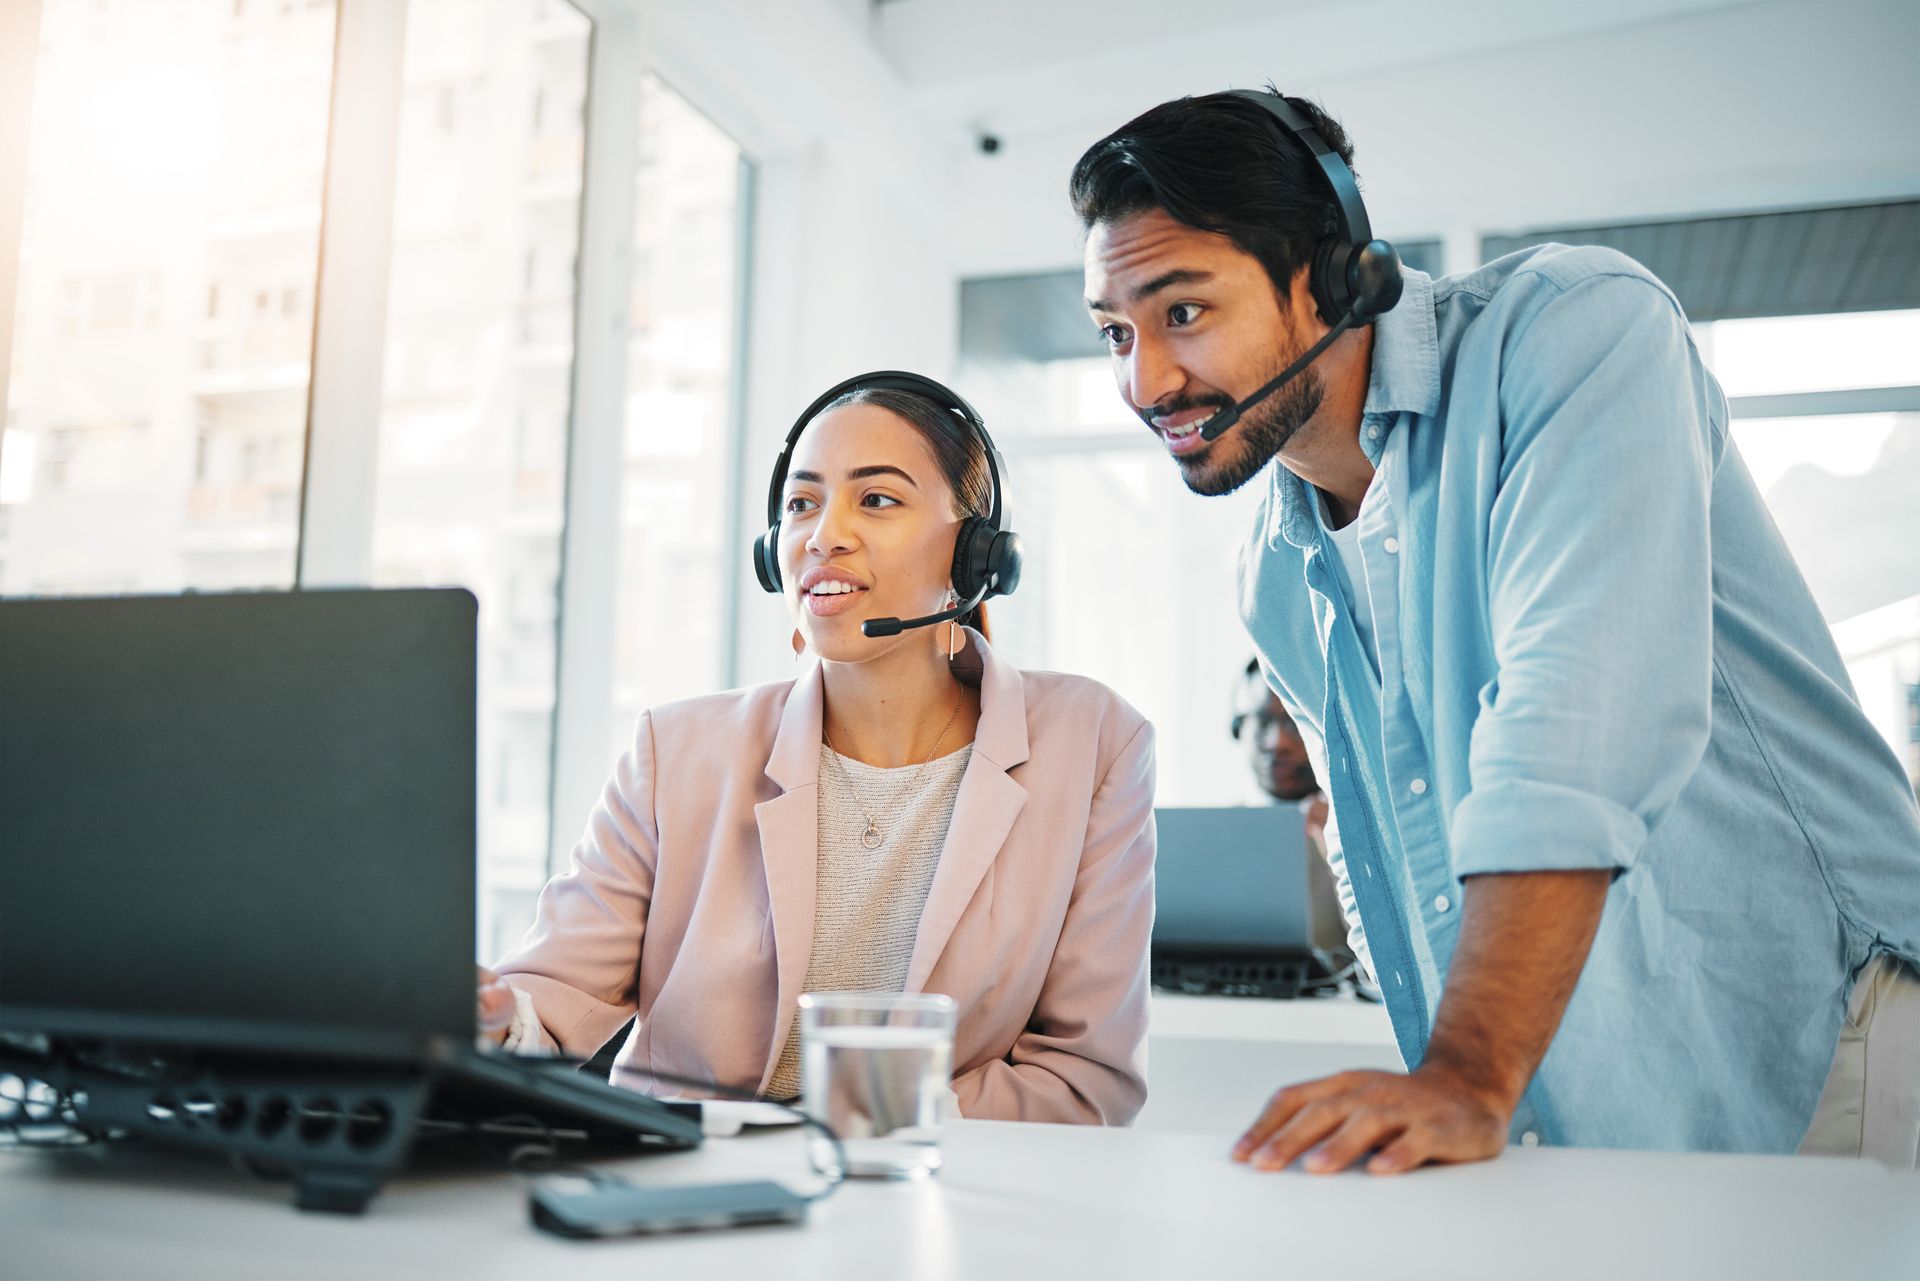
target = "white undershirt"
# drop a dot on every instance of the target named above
(1352, 572)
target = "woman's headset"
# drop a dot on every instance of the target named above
(986, 554)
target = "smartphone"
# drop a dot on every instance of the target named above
(576, 1208)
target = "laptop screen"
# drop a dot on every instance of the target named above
(1231, 880)
(243, 820)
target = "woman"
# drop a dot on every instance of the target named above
(908, 814)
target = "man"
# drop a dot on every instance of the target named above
(1625, 852)
(1284, 771)
(1277, 752)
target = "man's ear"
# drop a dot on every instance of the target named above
(1302, 310)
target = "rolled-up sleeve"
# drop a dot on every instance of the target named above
(1083, 1056)
(1599, 590)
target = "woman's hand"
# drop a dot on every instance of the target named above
(495, 1005)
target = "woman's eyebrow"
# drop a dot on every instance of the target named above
(858, 473)
(880, 469)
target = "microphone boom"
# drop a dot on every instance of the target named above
(876, 628)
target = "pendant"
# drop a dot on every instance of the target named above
(872, 837)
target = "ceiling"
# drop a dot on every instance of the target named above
(1022, 66)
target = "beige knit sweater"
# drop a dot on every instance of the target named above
(867, 903)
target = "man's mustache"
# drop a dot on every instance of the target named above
(1154, 413)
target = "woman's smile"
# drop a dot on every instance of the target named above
(827, 590)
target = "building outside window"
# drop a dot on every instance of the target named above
(682, 358)
(156, 422)
(156, 417)
(471, 481)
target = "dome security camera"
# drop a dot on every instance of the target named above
(989, 143)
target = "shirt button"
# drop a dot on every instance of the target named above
(1392, 545)
(1373, 433)
(1530, 1140)
(1442, 903)
(1418, 787)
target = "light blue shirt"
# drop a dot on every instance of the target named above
(1594, 652)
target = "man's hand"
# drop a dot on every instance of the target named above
(1524, 937)
(1433, 1114)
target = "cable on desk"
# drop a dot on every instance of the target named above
(734, 1095)
(1340, 976)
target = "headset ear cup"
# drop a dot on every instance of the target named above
(982, 552)
(970, 556)
(1374, 279)
(1327, 279)
(1004, 562)
(766, 559)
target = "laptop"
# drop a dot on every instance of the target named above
(238, 832)
(1231, 908)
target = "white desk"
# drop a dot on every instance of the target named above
(1014, 1201)
(1212, 1061)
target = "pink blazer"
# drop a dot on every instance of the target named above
(690, 899)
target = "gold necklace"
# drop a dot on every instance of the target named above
(873, 838)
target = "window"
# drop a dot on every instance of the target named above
(158, 389)
(119, 385)
(473, 429)
(1841, 486)
(1129, 575)
(680, 363)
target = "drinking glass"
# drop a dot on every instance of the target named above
(876, 1066)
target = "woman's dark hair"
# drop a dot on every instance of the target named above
(957, 448)
(1218, 163)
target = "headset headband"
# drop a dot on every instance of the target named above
(1357, 230)
(1353, 278)
(913, 384)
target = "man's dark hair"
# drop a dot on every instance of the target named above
(1221, 164)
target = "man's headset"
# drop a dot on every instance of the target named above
(986, 555)
(1354, 278)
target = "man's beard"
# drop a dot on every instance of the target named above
(1262, 432)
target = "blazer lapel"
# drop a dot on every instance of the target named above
(983, 813)
(789, 846)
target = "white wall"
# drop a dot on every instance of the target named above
(846, 282)
(1716, 109)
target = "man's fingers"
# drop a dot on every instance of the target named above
(1361, 1133)
(1407, 1152)
(1308, 1126)
(1282, 1105)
